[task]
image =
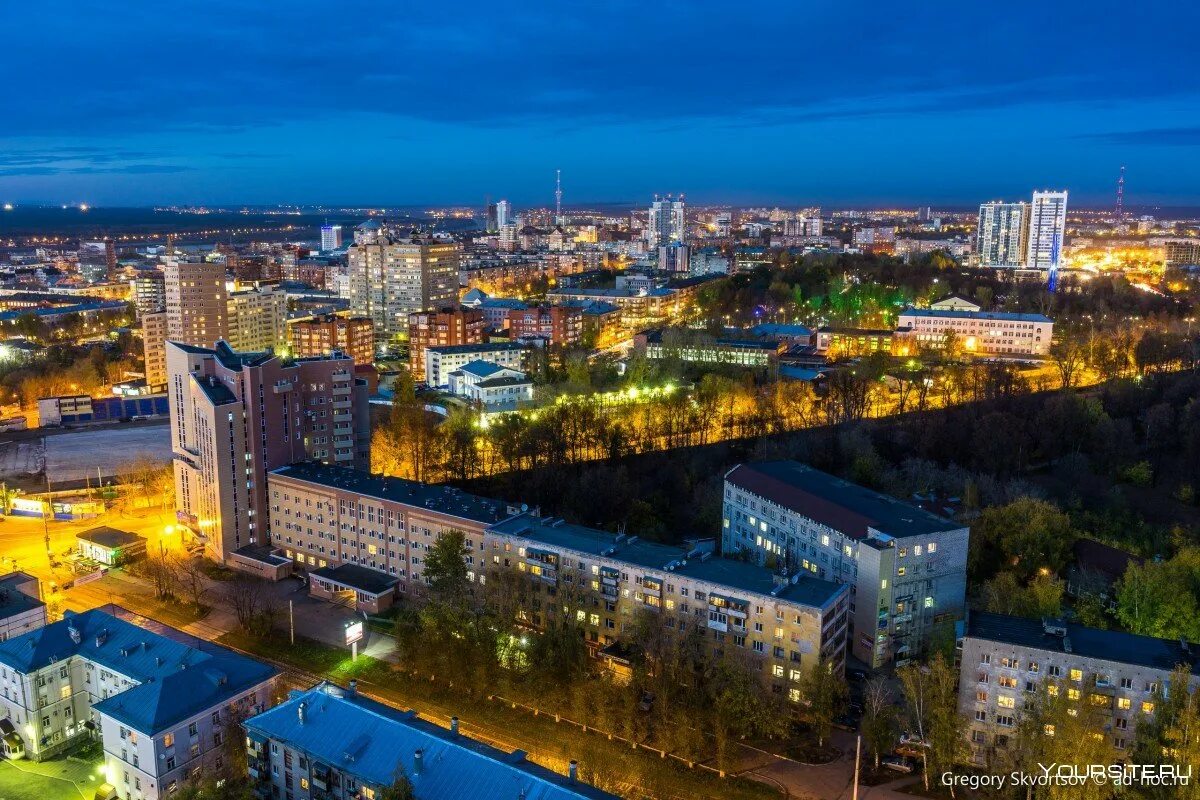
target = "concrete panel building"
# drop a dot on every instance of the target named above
(393, 276)
(322, 336)
(451, 325)
(906, 567)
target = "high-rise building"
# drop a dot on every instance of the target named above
(445, 326)
(673, 257)
(1047, 228)
(803, 225)
(154, 348)
(98, 261)
(560, 325)
(331, 237)
(321, 336)
(197, 302)
(491, 225)
(257, 319)
(504, 214)
(1000, 239)
(235, 416)
(667, 222)
(1182, 252)
(392, 277)
(149, 292)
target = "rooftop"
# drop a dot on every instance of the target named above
(109, 537)
(652, 555)
(481, 369)
(831, 501)
(443, 499)
(175, 681)
(491, 347)
(1117, 646)
(1000, 316)
(371, 581)
(371, 741)
(13, 601)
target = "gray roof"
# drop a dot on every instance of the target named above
(371, 581)
(1117, 646)
(109, 537)
(12, 600)
(370, 741)
(480, 368)
(999, 316)
(653, 555)
(833, 502)
(175, 681)
(443, 499)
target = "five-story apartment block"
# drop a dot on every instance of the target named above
(1114, 678)
(906, 568)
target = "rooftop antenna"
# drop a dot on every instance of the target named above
(1121, 194)
(558, 195)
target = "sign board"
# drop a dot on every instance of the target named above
(354, 631)
(91, 576)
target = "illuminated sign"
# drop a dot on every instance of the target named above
(354, 631)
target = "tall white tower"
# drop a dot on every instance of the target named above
(1047, 227)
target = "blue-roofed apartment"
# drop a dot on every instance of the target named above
(330, 743)
(161, 707)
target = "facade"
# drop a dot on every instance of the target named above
(756, 353)
(491, 386)
(848, 342)
(334, 744)
(392, 277)
(953, 302)
(906, 567)
(674, 258)
(197, 302)
(989, 333)
(234, 417)
(327, 517)
(504, 214)
(21, 606)
(441, 361)
(446, 326)
(331, 237)
(667, 222)
(258, 319)
(1114, 677)
(1182, 252)
(148, 292)
(109, 546)
(560, 325)
(605, 580)
(1001, 237)
(154, 348)
(322, 336)
(161, 708)
(1047, 231)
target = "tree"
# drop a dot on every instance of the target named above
(1160, 598)
(1040, 597)
(401, 788)
(824, 694)
(446, 568)
(879, 718)
(193, 581)
(252, 603)
(932, 694)
(1024, 537)
(1068, 352)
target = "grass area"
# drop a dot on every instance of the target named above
(215, 571)
(607, 764)
(58, 779)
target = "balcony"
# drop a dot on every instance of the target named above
(341, 404)
(281, 387)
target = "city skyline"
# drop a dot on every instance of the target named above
(825, 105)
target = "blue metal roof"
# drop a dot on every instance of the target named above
(375, 743)
(175, 681)
(999, 316)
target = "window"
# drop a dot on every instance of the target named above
(1003, 701)
(1077, 675)
(168, 740)
(1147, 707)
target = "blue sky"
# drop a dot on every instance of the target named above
(126, 102)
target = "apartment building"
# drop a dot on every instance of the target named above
(331, 743)
(560, 325)
(1112, 676)
(148, 292)
(154, 348)
(441, 361)
(451, 325)
(906, 568)
(326, 334)
(197, 302)
(236, 416)
(985, 333)
(392, 276)
(363, 538)
(21, 606)
(160, 707)
(257, 319)
(603, 580)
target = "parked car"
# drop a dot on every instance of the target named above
(912, 740)
(856, 674)
(899, 764)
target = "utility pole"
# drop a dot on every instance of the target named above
(46, 517)
(857, 753)
(291, 622)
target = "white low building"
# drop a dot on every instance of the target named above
(991, 333)
(495, 387)
(161, 708)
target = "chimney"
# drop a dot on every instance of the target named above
(418, 761)
(300, 711)
(76, 636)
(454, 725)
(573, 771)
(352, 688)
